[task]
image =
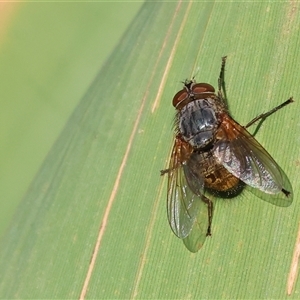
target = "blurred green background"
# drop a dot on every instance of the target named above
(50, 54)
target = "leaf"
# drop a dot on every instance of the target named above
(94, 224)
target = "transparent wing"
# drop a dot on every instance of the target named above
(185, 207)
(196, 238)
(242, 155)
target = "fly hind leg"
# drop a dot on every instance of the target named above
(263, 116)
(210, 206)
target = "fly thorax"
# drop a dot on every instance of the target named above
(198, 122)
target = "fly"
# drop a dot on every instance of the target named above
(215, 155)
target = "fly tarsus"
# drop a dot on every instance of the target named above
(286, 193)
(263, 116)
(165, 171)
(210, 206)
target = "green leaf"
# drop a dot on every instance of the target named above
(94, 224)
(46, 68)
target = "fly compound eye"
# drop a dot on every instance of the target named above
(179, 98)
(191, 92)
(202, 88)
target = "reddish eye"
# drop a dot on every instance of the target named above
(179, 97)
(200, 88)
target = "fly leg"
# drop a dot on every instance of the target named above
(210, 206)
(221, 83)
(262, 117)
(165, 171)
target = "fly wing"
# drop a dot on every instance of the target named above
(241, 154)
(183, 204)
(196, 238)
